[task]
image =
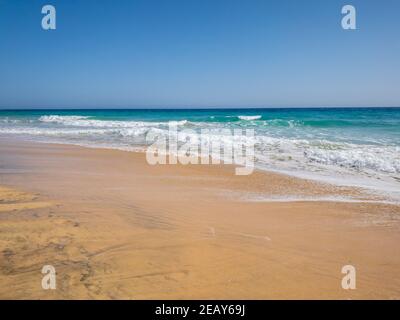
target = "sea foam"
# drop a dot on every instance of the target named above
(346, 155)
(249, 118)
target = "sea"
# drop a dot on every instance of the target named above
(344, 146)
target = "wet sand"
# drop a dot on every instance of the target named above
(115, 227)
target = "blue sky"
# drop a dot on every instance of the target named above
(199, 53)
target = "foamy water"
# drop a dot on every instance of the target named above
(359, 147)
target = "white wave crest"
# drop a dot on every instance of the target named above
(61, 119)
(82, 121)
(249, 118)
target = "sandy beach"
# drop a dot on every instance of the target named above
(115, 227)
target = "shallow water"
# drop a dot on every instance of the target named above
(346, 146)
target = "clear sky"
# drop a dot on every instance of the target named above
(199, 53)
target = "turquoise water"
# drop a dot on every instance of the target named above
(347, 124)
(342, 145)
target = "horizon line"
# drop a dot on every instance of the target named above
(191, 108)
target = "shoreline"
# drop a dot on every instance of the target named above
(376, 195)
(117, 228)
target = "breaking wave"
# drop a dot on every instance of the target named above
(249, 118)
(294, 146)
(84, 121)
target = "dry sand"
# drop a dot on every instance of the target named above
(115, 227)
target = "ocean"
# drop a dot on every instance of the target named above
(345, 146)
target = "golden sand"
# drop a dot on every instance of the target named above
(13, 200)
(115, 227)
